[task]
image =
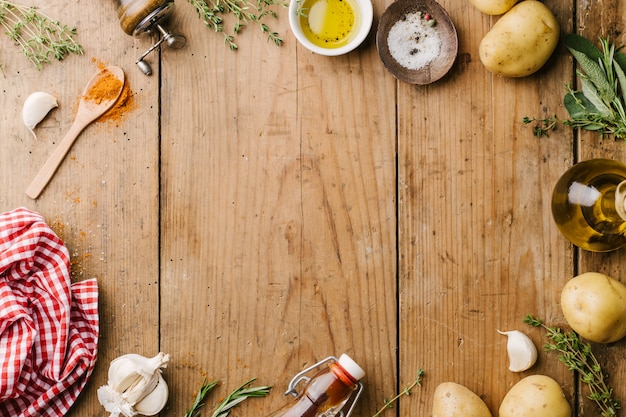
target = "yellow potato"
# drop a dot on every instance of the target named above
(594, 306)
(535, 396)
(493, 7)
(454, 400)
(521, 41)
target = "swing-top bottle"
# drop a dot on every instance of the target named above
(326, 393)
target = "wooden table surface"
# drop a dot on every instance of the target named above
(256, 211)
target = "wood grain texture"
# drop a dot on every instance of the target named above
(102, 201)
(279, 193)
(593, 22)
(256, 211)
(478, 248)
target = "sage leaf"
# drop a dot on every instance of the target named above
(620, 59)
(596, 75)
(589, 91)
(578, 106)
(583, 45)
(621, 80)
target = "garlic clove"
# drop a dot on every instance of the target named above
(36, 108)
(154, 402)
(521, 350)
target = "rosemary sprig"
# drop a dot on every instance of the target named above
(601, 104)
(198, 403)
(227, 404)
(40, 37)
(239, 395)
(578, 357)
(212, 13)
(406, 391)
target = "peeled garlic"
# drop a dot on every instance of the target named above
(521, 350)
(135, 386)
(35, 109)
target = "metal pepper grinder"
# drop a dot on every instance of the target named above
(138, 17)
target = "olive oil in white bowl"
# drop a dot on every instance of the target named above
(330, 27)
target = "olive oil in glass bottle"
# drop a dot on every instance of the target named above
(589, 205)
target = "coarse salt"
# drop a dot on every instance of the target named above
(414, 41)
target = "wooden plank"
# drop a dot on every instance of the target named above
(102, 200)
(278, 214)
(478, 248)
(230, 212)
(596, 21)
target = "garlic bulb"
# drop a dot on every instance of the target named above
(36, 107)
(521, 350)
(135, 386)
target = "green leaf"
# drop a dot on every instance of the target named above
(594, 72)
(583, 45)
(578, 106)
(621, 80)
(593, 127)
(620, 59)
(593, 95)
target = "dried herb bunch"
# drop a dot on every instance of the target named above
(601, 103)
(212, 13)
(40, 37)
(578, 357)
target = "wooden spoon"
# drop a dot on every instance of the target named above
(89, 109)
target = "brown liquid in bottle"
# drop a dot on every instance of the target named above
(326, 393)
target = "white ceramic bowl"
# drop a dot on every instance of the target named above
(365, 13)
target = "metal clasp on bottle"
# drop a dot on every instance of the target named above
(302, 377)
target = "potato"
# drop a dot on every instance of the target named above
(594, 306)
(454, 400)
(493, 7)
(521, 41)
(535, 396)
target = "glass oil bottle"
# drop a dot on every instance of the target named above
(589, 205)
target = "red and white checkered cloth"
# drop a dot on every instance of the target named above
(48, 326)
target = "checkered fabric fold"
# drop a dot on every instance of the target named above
(48, 326)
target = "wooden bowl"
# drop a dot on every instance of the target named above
(436, 68)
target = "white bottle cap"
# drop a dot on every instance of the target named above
(351, 367)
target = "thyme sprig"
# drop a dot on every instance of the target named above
(212, 13)
(578, 357)
(406, 391)
(600, 105)
(39, 37)
(224, 408)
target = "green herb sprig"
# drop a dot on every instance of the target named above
(198, 403)
(406, 391)
(578, 357)
(212, 13)
(238, 395)
(600, 105)
(224, 408)
(39, 37)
